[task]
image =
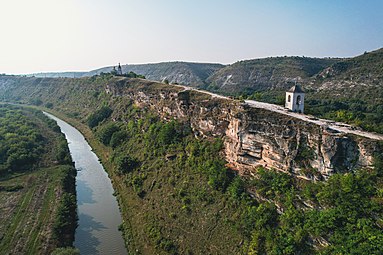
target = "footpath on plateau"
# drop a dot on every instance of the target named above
(330, 125)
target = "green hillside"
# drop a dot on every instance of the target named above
(259, 75)
(366, 68)
(348, 90)
(193, 74)
(275, 73)
(351, 91)
(178, 197)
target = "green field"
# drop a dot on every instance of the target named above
(36, 174)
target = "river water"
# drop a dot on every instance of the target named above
(97, 208)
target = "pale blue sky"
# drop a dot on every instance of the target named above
(63, 35)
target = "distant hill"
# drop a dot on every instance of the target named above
(368, 66)
(59, 74)
(193, 74)
(266, 74)
(357, 77)
(347, 76)
(249, 75)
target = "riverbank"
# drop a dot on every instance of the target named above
(37, 189)
(168, 206)
(98, 213)
(104, 153)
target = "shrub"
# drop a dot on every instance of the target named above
(118, 138)
(66, 251)
(236, 188)
(49, 105)
(66, 215)
(105, 133)
(125, 164)
(95, 118)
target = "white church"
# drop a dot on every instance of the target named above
(295, 99)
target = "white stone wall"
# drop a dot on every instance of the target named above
(289, 105)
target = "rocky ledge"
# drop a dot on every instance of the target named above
(255, 136)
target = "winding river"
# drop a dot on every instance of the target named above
(97, 208)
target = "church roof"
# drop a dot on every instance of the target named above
(296, 89)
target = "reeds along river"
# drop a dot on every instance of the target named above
(97, 208)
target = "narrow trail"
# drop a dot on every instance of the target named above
(330, 125)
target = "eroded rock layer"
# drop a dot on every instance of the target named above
(253, 136)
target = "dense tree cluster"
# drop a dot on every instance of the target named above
(344, 216)
(30, 143)
(368, 116)
(21, 142)
(128, 74)
(363, 111)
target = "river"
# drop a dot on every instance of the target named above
(97, 208)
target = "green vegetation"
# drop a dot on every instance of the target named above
(177, 181)
(105, 133)
(363, 109)
(344, 216)
(37, 178)
(357, 111)
(177, 195)
(21, 144)
(66, 251)
(182, 184)
(99, 115)
(133, 75)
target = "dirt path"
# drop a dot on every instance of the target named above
(329, 124)
(337, 126)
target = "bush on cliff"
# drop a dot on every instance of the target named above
(99, 115)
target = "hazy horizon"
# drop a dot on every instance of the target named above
(83, 35)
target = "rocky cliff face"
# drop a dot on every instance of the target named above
(252, 136)
(259, 137)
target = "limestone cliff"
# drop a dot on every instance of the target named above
(253, 136)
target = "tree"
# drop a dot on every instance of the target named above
(114, 71)
(95, 118)
(105, 133)
(125, 164)
(66, 251)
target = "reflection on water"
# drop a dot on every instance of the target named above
(98, 211)
(84, 231)
(85, 194)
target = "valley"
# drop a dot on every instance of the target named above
(174, 155)
(97, 209)
(191, 127)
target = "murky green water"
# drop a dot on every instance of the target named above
(98, 210)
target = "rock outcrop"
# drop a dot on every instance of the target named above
(252, 136)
